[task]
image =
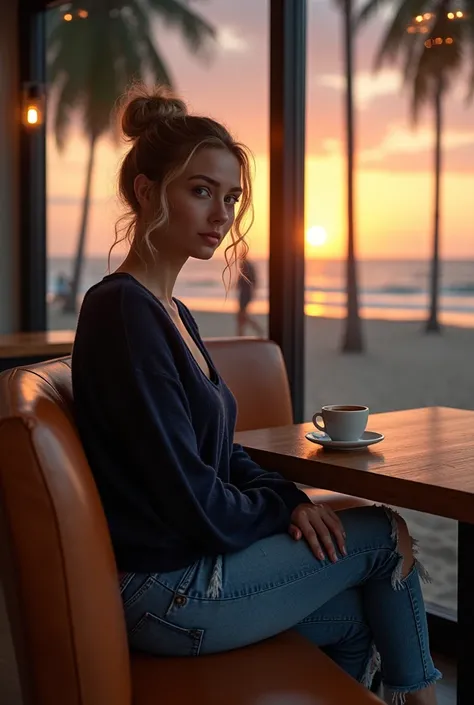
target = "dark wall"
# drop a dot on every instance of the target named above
(37, 5)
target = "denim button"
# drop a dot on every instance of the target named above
(180, 600)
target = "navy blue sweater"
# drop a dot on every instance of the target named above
(158, 435)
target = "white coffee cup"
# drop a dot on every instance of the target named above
(342, 422)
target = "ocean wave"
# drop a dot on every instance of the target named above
(324, 289)
(460, 289)
(400, 289)
(407, 305)
(390, 289)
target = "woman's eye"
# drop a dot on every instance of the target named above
(202, 191)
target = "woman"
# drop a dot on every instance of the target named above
(213, 553)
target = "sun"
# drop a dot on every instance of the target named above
(316, 236)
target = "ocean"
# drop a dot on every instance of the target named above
(389, 289)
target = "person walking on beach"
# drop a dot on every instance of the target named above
(246, 286)
(210, 548)
(61, 289)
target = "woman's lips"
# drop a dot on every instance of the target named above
(211, 238)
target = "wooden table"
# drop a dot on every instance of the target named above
(26, 348)
(426, 463)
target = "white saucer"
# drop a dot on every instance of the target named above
(368, 438)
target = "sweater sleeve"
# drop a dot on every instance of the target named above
(186, 493)
(248, 476)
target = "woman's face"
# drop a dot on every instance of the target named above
(202, 203)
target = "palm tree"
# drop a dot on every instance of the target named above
(94, 53)
(353, 339)
(428, 38)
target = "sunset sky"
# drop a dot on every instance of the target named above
(394, 161)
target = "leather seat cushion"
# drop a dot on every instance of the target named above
(284, 670)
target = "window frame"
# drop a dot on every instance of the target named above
(32, 172)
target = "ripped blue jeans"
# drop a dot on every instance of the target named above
(353, 609)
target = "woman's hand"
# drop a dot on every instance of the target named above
(316, 522)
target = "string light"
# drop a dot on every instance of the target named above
(421, 25)
(82, 14)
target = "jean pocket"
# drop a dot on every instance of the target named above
(158, 637)
(134, 585)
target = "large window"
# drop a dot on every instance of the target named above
(227, 80)
(400, 366)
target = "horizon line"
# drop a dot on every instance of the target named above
(458, 258)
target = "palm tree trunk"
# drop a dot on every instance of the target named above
(432, 325)
(71, 303)
(353, 341)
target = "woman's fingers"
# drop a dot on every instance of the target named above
(325, 538)
(334, 524)
(294, 532)
(335, 516)
(319, 524)
(311, 537)
(331, 519)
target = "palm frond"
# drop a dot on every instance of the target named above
(69, 54)
(68, 100)
(53, 20)
(470, 82)
(126, 52)
(101, 85)
(91, 61)
(149, 53)
(413, 51)
(396, 37)
(421, 94)
(127, 66)
(370, 10)
(437, 64)
(196, 31)
(468, 26)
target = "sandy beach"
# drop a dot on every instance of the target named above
(402, 368)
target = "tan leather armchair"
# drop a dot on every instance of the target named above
(61, 587)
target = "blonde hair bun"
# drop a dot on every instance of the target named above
(143, 108)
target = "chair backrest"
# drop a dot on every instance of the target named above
(255, 371)
(59, 571)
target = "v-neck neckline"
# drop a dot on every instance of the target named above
(214, 378)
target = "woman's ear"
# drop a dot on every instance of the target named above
(143, 189)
